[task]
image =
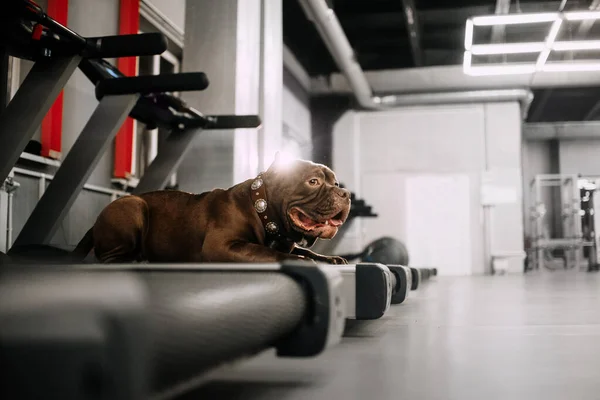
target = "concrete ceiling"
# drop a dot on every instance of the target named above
(401, 34)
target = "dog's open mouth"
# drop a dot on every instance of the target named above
(306, 223)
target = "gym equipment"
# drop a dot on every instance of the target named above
(589, 221)
(420, 275)
(370, 289)
(130, 331)
(163, 110)
(557, 243)
(385, 250)
(27, 32)
(145, 99)
(403, 282)
(367, 290)
(91, 144)
(390, 251)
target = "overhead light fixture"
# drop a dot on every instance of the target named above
(506, 48)
(543, 48)
(581, 15)
(532, 47)
(486, 70)
(513, 19)
(572, 67)
(469, 35)
(576, 45)
(543, 57)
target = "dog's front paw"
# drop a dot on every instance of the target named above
(337, 260)
(304, 258)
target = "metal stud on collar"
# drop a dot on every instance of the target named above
(271, 227)
(258, 182)
(260, 205)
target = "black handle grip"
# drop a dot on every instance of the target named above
(233, 121)
(152, 84)
(143, 44)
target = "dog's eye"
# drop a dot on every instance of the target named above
(313, 182)
(337, 184)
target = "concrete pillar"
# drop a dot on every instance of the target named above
(270, 138)
(502, 182)
(238, 44)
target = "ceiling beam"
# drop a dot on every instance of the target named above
(412, 26)
(434, 16)
(443, 15)
(561, 130)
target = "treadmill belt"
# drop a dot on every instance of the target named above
(201, 320)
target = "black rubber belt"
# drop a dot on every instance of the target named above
(202, 320)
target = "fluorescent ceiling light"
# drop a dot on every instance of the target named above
(507, 48)
(512, 19)
(543, 57)
(581, 15)
(469, 34)
(500, 70)
(553, 32)
(467, 60)
(571, 67)
(576, 45)
(544, 48)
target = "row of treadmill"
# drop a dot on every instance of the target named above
(139, 331)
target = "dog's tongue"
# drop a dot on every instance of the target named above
(334, 222)
(310, 223)
(307, 221)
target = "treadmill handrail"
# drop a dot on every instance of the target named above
(164, 110)
(147, 84)
(65, 42)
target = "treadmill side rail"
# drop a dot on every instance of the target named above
(324, 326)
(73, 335)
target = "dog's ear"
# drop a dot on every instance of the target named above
(276, 161)
(282, 163)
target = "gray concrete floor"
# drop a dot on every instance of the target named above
(484, 338)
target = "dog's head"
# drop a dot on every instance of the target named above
(307, 197)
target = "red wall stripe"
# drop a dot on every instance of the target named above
(52, 123)
(129, 23)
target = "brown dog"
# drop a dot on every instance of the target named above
(267, 219)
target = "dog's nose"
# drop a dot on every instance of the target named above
(343, 193)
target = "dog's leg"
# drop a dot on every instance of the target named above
(119, 231)
(318, 257)
(243, 252)
(119, 254)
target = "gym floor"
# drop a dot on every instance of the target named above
(503, 337)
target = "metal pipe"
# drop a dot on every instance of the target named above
(523, 96)
(337, 43)
(330, 30)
